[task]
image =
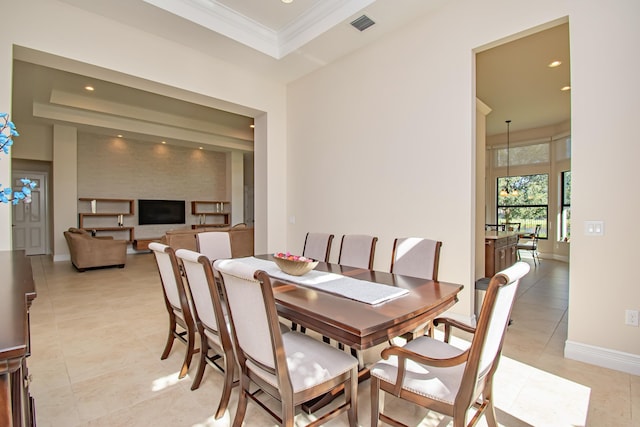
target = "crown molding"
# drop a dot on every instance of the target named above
(223, 20)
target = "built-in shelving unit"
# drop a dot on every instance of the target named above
(211, 213)
(95, 214)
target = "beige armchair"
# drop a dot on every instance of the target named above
(89, 252)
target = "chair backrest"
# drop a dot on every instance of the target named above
(253, 315)
(494, 227)
(417, 257)
(172, 285)
(317, 246)
(488, 339)
(535, 236)
(214, 244)
(204, 292)
(357, 250)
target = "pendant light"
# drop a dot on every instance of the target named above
(505, 190)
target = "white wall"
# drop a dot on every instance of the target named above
(604, 280)
(60, 29)
(381, 142)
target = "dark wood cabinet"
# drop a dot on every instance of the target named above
(500, 251)
(17, 291)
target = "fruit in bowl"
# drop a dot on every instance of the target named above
(295, 265)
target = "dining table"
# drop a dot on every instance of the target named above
(411, 303)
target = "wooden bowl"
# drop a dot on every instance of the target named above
(295, 268)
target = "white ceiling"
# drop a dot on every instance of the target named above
(284, 41)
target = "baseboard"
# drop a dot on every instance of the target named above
(62, 257)
(607, 358)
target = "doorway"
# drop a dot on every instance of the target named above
(518, 81)
(29, 221)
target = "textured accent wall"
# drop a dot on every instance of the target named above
(111, 167)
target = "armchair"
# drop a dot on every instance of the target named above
(89, 252)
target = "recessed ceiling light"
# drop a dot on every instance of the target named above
(199, 148)
(554, 64)
(89, 88)
(252, 126)
(164, 142)
(565, 88)
(119, 135)
(287, 1)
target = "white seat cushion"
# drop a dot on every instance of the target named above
(436, 383)
(310, 362)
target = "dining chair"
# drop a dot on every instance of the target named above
(209, 314)
(317, 246)
(214, 244)
(177, 303)
(442, 377)
(417, 257)
(293, 367)
(530, 243)
(357, 250)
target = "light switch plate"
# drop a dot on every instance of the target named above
(594, 228)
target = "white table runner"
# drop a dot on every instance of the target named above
(348, 287)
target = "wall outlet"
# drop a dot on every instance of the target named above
(631, 317)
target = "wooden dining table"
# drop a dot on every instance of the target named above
(357, 324)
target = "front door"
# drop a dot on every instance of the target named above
(30, 219)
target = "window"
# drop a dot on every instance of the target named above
(530, 207)
(565, 219)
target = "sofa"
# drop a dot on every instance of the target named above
(241, 239)
(88, 251)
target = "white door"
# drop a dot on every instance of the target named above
(30, 219)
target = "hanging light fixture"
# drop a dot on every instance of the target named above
(505, 190)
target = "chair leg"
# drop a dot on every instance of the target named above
(288, 413)
(188, 354)
(229, 369)
(204, 351)
(377, 401)
(242, 401)
(170, 338)
(351, 395)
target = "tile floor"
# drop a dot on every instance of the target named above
(97, 338)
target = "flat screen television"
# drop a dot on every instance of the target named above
(161, 212)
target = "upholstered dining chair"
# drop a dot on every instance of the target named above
(357, 250)
(292, 368)
(214, 244)
(443, 378)
(317, 246)
(417, 257)
(209, 314)
(530, 243)
(177, 303)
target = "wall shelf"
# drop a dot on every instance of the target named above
(92, 211)
(211, 213)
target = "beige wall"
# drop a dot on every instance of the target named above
(386, 147)
(386, 144)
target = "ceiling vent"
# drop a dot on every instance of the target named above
(362, 23)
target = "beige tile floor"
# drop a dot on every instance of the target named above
(97, 338)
